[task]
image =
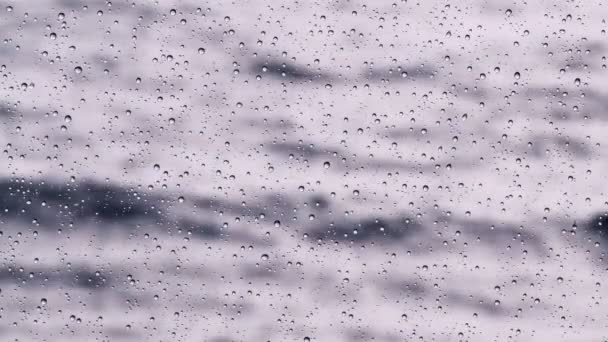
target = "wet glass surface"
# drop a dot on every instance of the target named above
(303, 171)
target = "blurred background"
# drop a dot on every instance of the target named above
(342, 170)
